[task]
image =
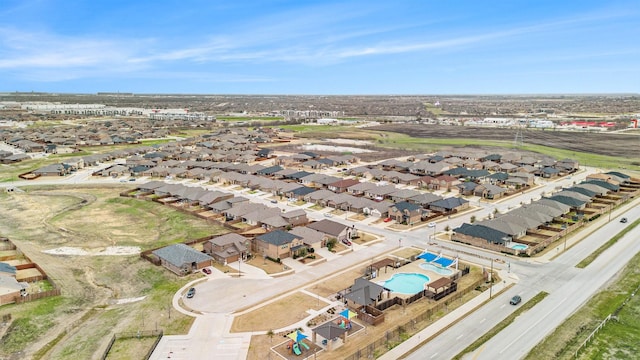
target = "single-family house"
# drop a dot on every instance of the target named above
(333, 229)
(449, 205)
(489, 191)
(182, 259)
(227, 248)
(277, 244)
(310, 237)
(360, 188)
(406, 213)
(342, 185)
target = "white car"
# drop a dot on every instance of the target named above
(432, 224)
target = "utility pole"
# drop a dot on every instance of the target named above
(491, 280)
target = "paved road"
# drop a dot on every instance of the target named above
(557, 277)
(569, 289)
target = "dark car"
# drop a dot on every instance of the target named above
(191, 293)
(346, 242)
(515, 300)
(623, 220)
(206, 271)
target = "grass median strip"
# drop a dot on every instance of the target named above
(618, 339)
(503, 324)
(594, 255)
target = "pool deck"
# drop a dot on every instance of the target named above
(414, 267)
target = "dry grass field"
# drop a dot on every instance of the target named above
(79, 323)
(277, 314)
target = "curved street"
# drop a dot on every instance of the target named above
(220, 295)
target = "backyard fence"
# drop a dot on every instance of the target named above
(397, 335)
(135, 335)
(37, 296)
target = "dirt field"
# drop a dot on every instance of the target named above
(79, 323)
(619, 145)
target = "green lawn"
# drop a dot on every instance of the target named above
(589, 259)
(616, 340)
(248, 118)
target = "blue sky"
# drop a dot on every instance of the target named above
(320, 47)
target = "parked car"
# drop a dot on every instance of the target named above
(515, 300)
(432, 224)
(387, 220)
(191, 293)
(346, 242)
(327, 215)
(132, 179)
(206, 271)
(623, 220)
(274, 201)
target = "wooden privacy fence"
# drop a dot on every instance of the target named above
(135, 335)
(402, 332)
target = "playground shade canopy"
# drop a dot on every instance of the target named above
(297, 336)
(348, 314)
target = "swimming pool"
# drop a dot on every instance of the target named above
(519, 247)
(407, 283)
(436, 269)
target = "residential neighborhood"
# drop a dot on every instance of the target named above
(335, 226)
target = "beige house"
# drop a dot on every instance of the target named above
(227, 248)
(277, 244)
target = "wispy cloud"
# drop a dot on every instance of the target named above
(41, 50)
(312, 37)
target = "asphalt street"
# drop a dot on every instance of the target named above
(568, 287)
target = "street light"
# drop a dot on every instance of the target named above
(491, 280)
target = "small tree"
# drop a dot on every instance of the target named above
(473, 219)
(447, 228)
(331, 243)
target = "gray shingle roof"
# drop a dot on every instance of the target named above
(405, 205)
(573, 202)
(491, 235)
(328, 227)
(180, 254)
(277, 237)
